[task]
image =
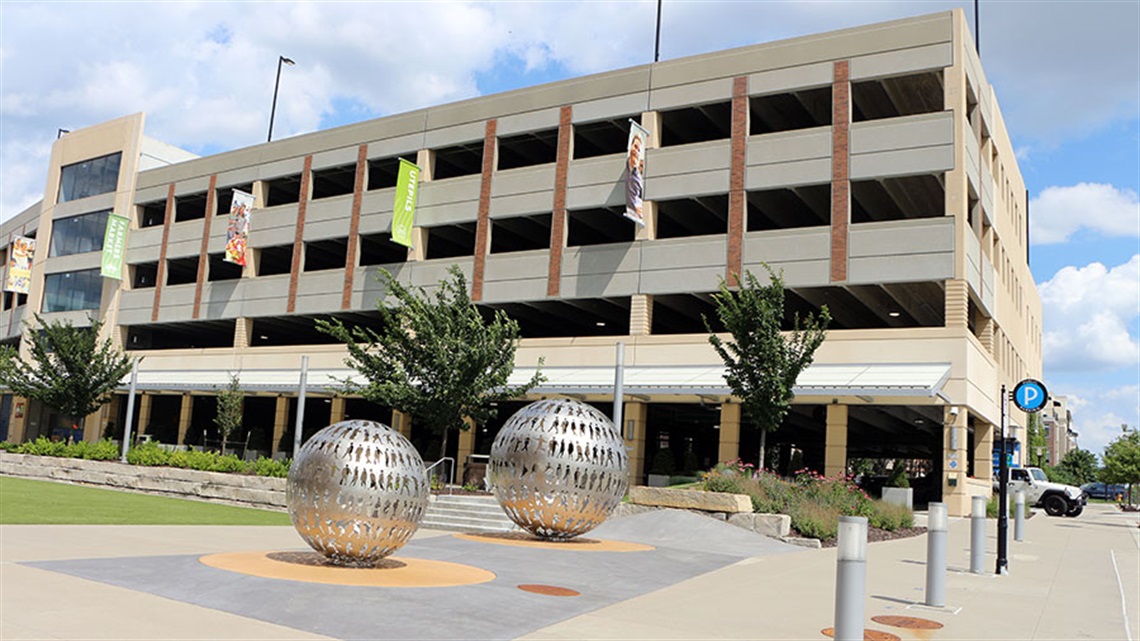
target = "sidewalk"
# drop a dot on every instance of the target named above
(1070, 579)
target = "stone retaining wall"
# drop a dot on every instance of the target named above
(236, 489)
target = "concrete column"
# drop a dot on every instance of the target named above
(648, 231)
(18, 419)
(402, 423)
(93, 424)
(729, 448)
(185, 415)
(243, 328)
(144, 413)
(957, 303)
(835, 450)
(954, 491)
(637, 412)
(336, 410)
(280, 423)
(984, 451)
(641, 315)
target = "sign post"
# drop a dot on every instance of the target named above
(1029, 396)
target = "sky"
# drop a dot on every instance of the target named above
(1066, 75)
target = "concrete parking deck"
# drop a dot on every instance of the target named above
(1071, 578)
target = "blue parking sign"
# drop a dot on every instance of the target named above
(1030, 395)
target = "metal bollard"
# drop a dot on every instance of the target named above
(1019, 516)
(978, 535)
(936, 527)
(851, 578)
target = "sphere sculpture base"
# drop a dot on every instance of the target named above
(357, 492)
(558, 468)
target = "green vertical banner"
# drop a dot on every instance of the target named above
(114, 245)
(404, 209)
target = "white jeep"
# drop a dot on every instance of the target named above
(1056, 498)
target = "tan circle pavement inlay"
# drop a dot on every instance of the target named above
(309, 567)
(579, 544)
(910, 623)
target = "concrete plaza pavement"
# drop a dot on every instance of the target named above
(1070, 579)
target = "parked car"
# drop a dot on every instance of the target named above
(1105, 490)
(1057, 498)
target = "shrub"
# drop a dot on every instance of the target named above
(269, 467)
(898, 476)
(148, 453)
(815, 520)
(890, 517)
(727, 483)
(663, 462)
(691, 464)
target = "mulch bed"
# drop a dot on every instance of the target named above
(874, 535)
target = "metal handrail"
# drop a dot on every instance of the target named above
(452, 479)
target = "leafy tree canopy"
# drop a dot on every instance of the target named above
(231, 399)
(70, 370)
(1122, 459)
(762, 362)
(1079, 465)
(435, 357)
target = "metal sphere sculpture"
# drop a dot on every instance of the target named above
(357, 492)
(558, 468)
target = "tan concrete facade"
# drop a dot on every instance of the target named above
(957, 269)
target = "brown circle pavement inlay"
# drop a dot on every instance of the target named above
(868, 635)
(549, 590)
(909, 623)
(308, 567)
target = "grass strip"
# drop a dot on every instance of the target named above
(29, 502)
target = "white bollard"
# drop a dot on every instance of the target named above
(1019, 516)
(851, 578)
(936, 527)
(978, 535)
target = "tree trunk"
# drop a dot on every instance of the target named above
(763, 445)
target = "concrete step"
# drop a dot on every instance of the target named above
(459, 499)
(454, 527)
(495, 514)
(465, 513)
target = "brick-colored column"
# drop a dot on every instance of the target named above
(185, 415)
(354, 225)
(729, 447)
(203, 261)
(955, 492)
(483, 223)
(840, 169)
(986, 334)
(465, 448)
(558, 218)
(18, 419)
(736, 199)
(641, 315)
(160, 278)
(299, 235)
(835, 448)
(280, 423)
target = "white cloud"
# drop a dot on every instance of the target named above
(1088, 315)
(1059, 212)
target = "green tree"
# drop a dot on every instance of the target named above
(1122, 461)
(1036, 439)
(762, 362)
(435, 357)
(70, 369)
(1079, 465)
(231, 400)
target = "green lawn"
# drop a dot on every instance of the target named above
(45, 502)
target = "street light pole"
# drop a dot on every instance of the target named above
(276, 85)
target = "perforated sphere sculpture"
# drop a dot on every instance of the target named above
(357, 492)
(558, 468)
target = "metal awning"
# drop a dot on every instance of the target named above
(867, 380)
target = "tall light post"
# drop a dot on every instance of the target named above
(277, 85)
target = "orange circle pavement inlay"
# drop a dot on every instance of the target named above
(868, 635)
(548, 590)
(573, 545)
(910, 623)
(399, 573)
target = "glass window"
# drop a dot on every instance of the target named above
(78, 234)
(89, 178)
(70, 291)
(1039, 475)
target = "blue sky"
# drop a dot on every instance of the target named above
(1066, 74)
